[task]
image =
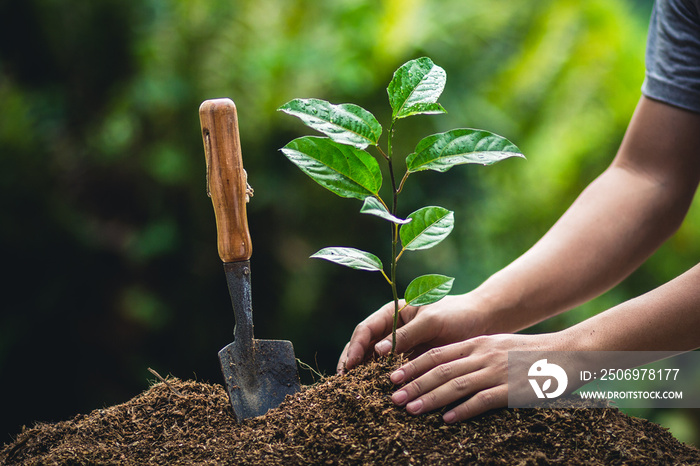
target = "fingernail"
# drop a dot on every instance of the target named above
(383, 347)
(398, 376)
(414, 407)
(449, 417)
(399, 397)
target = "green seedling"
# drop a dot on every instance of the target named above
(341, 164)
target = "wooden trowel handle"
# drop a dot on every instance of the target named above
(226, 179)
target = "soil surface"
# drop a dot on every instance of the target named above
(340, 420)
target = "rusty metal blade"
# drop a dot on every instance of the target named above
(258, 373)
(258, 381)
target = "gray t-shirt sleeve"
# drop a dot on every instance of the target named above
(673, 54)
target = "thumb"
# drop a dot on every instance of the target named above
(407, 337)
(383, 347)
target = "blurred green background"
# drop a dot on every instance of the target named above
(108, 238)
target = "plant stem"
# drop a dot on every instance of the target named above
(399, 255)
(403, 180)
(388, 280)
(381, 152)
(394, 239)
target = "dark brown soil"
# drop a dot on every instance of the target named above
(341, 420)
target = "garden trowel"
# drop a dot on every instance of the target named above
(258, 373)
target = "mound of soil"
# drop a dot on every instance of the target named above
(340, 420)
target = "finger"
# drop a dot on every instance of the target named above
(430, 360)
(410, 334)
(456, 389)
(461, 376)
(363, 337)
(383, 347)
(485, 400)
(341, 367)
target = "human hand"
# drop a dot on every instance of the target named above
(453, 318)
(475, 369)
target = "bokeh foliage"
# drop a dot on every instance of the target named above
(107, 234)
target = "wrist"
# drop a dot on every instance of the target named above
(495, 309)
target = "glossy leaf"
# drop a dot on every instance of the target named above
(428, 227)
(342, 169)
(373, 206)
(428, 289)
(344, 123)
(415, 88)
(442, 151)
(350, 257)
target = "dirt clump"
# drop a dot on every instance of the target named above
(340, 420)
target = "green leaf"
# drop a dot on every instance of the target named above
(428, 289)
(342, 169)
(428, 227)
(344, 123)
(350, 257)
(415, 88)
(373, 206)
(442, 151)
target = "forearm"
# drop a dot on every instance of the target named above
(664, 319)
(614, 225)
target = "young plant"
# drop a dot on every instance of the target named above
(341, 164)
